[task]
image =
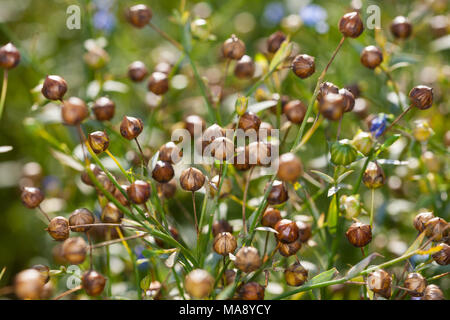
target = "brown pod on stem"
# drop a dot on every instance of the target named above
(421, 97)
(9, 56)
(192, 179)
(137, 71)
(270, 217)
(233, 48)
(332, 106)
(416, 284)
(287, 231)
(326, 88)
(247, 259)
(104, 109)
(131, 127)
(163, 171)
(303, 66)
(170, 152)
(401, 28)
(111, 214)
(74, 111)
(221, 226)
(249, 121)
(74, 250)
(251, 291)
(54, 87)
(295, 111)
(290, 167)
(359, 234)
(289, 249)
(93, 283)
(278, 194)
(245, 68)
(139, 15)
(351, 25)
(295, 275)
(349, 99)
(99, 141)
(224, 243)
(380, 282)
(158, 83)
(32, 197)
(81, 217)
(274, 41)
(371, 57)
(58, 228)
(139, 191)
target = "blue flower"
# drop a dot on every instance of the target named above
(378, 125)
(138, 251)
(313, 14)
(104, 20)
(274, 12)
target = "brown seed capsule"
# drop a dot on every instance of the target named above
(137, 71)
(245, 68)
(85, 177)
(54, 87)
(401, 28)
(287, 231)
(222, 148)
(242, 159)
(28, 284)
(270, 217)
(247, 259)
(230, 275)
(139, 15)
(111, 214)
(374, 176)
(43, 270)
(80, 217)
(168, 189)
(290, 167)
(354, 89)
(351, 25)
(371, 57)
(32, 197)
(220, 227)
(433, 292)
(163, 171)
(304, 231)
(332, 106)
(442, 257)
(278, 194)
(139, 191)
(303, 66)
(131, 127)
(74, 250)
(104, 109)
(274, 41)
(199, 283)
(289, 249)
(211, 133)
(326, 88)
(380, 283)
(192, 179)
(421, 219)
(259, 153)
(233, 48)
(349, 99)
(105, 182)
(251, 291)
(359, 234)
(158, 83)
(120, 197)
(9, 56)
(295, 275)
(93, 283)
(74, 111)
(295, 111)
(163, 67)
(436, 228)
(99, 141)
(421, 97)
(170, 152)
(224, 243)
(249, 121)
(416, 284)
(193, 121)
(58, 228)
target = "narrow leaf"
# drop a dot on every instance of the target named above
(360, 266)
(332, 217)
(416, 244)
(268, 229)
(170, 262)
(343, 176)
(323, 277)
(324, 176)
(283, 52)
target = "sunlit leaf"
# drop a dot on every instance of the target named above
(283, 52)
(332, 216)
(324, 176)
(323, 277)
(360, 266)
(343, 176)
(416, 244)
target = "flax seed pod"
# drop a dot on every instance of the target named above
(249, 121)
(245, 68)
(139, 15)
(9, 56)
(54, 87)
(295, 275)
(274, 41)
(247, 259)
(421, 97)
(104, 109)
(287, 231)
(170, 152)
(442, 257)
(373, 176)
(416, 284)
(289, 249)
(163, 171)
(158, 83)
(332, 106)
(221, 226)
(401, 28)
(380, 282)
(433, 292)
(421, 219)
(192, 179)
(28, 284)
(93, 283)
(371, 57)
(193, 121)
(278, 194)
(111, 214)
(81, 217)
(199, 283)
(58, 228)
(74, 250)
(326, 88)
(32, 197)
(251, 291)
(74, 111)
(99, 141)
(224, 243)
(303, 66)
(167, 190)
(270, 217)
(295, 111)
(131, 127)
(304, 231)
(349, 99)
(359, 234)
(139, 191)
(233, 48)
(120, 197)
(137, 71)
(351, 25)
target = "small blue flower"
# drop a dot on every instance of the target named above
(138, 251)
(312, 14)
(104, 20)
(274, 12)
(378, 125)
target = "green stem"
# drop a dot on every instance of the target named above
(371, 208)
(4, 89)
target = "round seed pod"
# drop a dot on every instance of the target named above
(54, 87)
(137, 71)
(224, 243)
(374, 176)
(343, 152)
(295, 111)
(274, 41)
(74, 111)
(220, 227)
(104, 109)
(349, 99)
(131, 127)
(99, 141)
(442, 257)
(93, 283)
(43, 270)
(163, 171)
(28, 284)
(158, 83)
(401, 28)
(85, 177)
(111, 214)
(120, 197)
(303, 66)
(80, 217)
(74, 250)
(287, 231)
(139, 15)
(421, 97)
(304, 231)
(211, 133)
(57, 254)
(436, 228)
(222, 149)
(270, 217)
(332, 106)
(259, 153)
(251, 291)
(433, 292)
(295, 275)
(58, 228)
(170, 152)
(139, 191)
(421, 219)
(242, 159)
(199, 283)
(168, 189)
(105, 182)
(32, 197)
(247, 259)
(359, 234)
(193, 121)
(245, 67)
(230, 275)
(192, 179)
(278, 194)
(249, 121)
(266, 127)
(363, 142)
(326, 88)
(9, 56)
(233, 48)
(371, 57)
(380, 282)
(416, 284)
(351, 25)
(289, 249)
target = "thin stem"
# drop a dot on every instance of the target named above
(244, 201)
(394, 85)
(266, 241)
(371, 208)
(4, 89)
(110, 242)
(68, 292)
(90, 250)
(144, 163)
(397, 119)
(166, 36)
(116, 162)
(82, 142)
(44, 213)
(339, 129)
(195, 214)
(286, 134)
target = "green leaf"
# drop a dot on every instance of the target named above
(389, 141)
(360, 266)
(283, 52)
(332, 216)
(416, 244)
(323, 277)
(324, 176)
(343, 176)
